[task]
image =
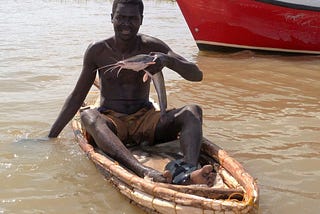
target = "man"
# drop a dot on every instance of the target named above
(125, 114)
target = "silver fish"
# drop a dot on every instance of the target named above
(135, 63)
(141, 62)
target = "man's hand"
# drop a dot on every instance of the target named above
(162, 60)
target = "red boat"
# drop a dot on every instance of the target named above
(286, 25)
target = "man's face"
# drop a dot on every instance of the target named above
(126, 21)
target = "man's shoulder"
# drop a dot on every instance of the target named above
(97, 52)
(96, 48)
(153, 43)
(96, 45)
(149, 39)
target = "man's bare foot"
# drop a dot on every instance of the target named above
(157, 176)
(203, 176)
(182, 173)
(167, 175)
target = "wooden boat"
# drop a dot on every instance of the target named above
(235, 191)
(272, 25)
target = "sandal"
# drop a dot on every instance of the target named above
(180, 171)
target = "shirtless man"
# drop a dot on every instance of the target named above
(126, 96)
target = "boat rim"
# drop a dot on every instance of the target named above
(204, 42)
(292, 5)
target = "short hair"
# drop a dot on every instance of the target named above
(134, 2)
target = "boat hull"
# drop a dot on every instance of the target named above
(265, 25)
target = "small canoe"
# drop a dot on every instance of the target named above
(234, 190)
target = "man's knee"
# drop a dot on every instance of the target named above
(193, 111)
(92, 117)
(89, 117)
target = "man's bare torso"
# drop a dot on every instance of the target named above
(124, 92)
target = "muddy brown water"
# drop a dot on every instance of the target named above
(264, 109)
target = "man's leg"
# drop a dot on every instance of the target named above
(109, 143)
(188, 122)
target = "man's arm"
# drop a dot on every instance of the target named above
(166, 57)
(185, 68)
(77, 96)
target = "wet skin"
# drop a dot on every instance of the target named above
(127, 93)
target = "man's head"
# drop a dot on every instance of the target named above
(127, 17)
(139, 3)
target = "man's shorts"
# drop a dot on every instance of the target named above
(135, 128)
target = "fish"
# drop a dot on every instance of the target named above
(141, 62)
(159, 84)
(136, 63)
